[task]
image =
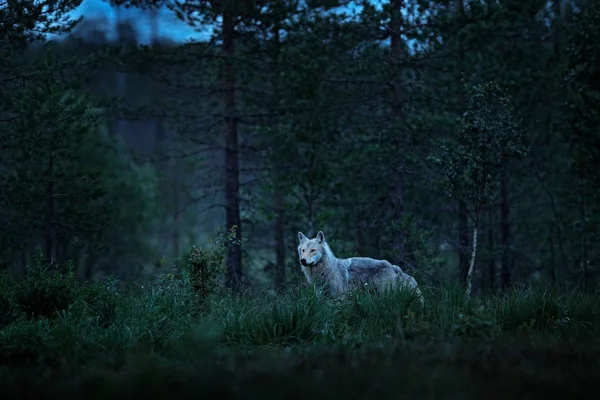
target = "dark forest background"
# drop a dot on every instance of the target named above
(395, 127)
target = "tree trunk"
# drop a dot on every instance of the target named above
(176, 233)
(309, 210)
(279, 242)
(558, 12)
(492, 263)
(472, 264)
(583, 242)
(23, 254)
(62, 249)
(119, 79)
(505, 267)
(50, 231)
(232, 179)
(553, 270)
(279, 209)
(360, 237)
(463, 223)
(463, 241)
(397, 192)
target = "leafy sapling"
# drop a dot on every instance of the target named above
(488, 138)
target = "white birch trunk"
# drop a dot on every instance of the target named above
(472, 265)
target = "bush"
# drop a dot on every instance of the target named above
(204, 267)
(8, 304)
(46, 290)
(476, 322)
(102, 299)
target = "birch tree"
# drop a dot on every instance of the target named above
(488, 137)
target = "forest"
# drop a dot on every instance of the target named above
(152, 192)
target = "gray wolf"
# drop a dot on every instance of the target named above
(321, 266)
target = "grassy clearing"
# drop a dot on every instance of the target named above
(61, 338)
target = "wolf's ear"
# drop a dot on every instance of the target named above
(320, 237)
(301, 237)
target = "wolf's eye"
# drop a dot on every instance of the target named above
(313, 250)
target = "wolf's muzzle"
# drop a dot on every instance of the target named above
(306, 263)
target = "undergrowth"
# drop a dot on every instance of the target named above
(51, 320)
(51, 317)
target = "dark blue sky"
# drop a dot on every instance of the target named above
(169, 25)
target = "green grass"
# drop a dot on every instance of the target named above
(62, 339)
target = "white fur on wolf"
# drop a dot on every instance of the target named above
(321, 266)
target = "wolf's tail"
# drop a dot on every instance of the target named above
(419, 295)
(417, 291)
(411, 283)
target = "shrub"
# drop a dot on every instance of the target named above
(102, 299)
(8, 305)
(204, 267)
(46, 290)
(476, 322)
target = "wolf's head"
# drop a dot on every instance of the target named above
(311, 251)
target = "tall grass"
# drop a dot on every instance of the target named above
(53, 322)
(96, 321)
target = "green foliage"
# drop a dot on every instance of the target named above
(582, 105)
(8, 305)
(102, 299)
(204, 267)
(46, 290)
(489, 136)
(110, 329)
(418, 248)
(92, 321)
(24, 22)
(129, 207)
(46, 185)
(67, 181)
(34, 19)
(581, 110)
(476, 322)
